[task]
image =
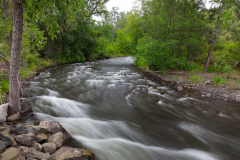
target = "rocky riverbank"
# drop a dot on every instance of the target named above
(204, 88)
(42, 141)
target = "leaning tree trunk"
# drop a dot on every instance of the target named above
(14, 90)
(214, 39)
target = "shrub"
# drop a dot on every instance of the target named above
(219, 80)
(194, 78)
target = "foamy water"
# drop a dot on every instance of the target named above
(119, 113)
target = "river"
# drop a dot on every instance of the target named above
(117, 112)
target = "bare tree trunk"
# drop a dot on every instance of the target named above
(7, 63)
(14, 91)
(214, 39)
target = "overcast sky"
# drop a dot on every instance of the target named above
(124, 5)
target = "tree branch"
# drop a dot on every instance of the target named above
(231, 25)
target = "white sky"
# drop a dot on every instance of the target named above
(124, 5)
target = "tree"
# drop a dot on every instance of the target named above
(14, 92)
(215, 37)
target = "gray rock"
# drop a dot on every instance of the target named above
(55, 127)
(41, 137)
(11, 154)
(144, 89)
(5, 136)
(209, 95)
(27, 152)
(209, 82)
(2, 147)
(49, 147)
(25, 139)
(2, 128)
(65, 153)
(27, 112)
(37, 146)
(14, 117)
(3, 112)
(226, 95)
(30, 158)
(37, 129)
(20, 129)
(57, 139)
(238, 98)
(180, 88)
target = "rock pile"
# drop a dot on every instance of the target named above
(26, 141)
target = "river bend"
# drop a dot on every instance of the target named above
(119, 113)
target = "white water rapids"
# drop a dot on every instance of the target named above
(119, 113)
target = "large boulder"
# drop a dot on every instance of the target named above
(49, 147)
(25, 139)
(3, 112)
(11, 154)
(65, 153)
(57, 139)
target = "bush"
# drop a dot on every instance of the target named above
(194, 78)
(4, 88)
(219, 80)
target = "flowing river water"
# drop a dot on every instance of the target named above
(117, 112)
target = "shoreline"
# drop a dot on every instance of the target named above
(204, 90)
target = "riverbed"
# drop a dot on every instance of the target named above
(119, 113)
